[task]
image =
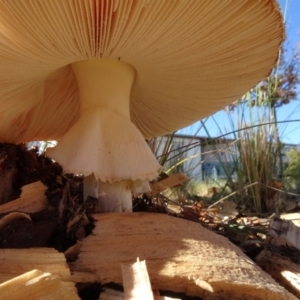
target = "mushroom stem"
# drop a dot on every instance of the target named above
(112, 197)
(115, 197)
(105, 84)
(103, 144)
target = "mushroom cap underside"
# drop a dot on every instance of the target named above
(191, 58)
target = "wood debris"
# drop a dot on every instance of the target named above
(19, 230)
(37, 285)
(282, 269)
(66, 217)
(284, 232)
(136, 281)
(169, 182)
(281, 256)
(111, 294)
(181, 256)
(12, 217)
(32, 199)
(290, 205)
(20, 166)
(72, 253)
(14, 262)
(294, 217)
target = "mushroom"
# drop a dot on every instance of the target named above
(101, 76)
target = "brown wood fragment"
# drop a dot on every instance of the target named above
(18, 231)
(281, 257)
(290, 206)
(284, 232)
(37, 285)
(12, 217)
(167, 183)
(83, 276)
(136, 281)
(72, 253)
(110, 294)
(14, 262)
(181, 256)
(32, 199)
(294, 217)
(282, 269)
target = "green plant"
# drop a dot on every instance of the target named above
(292, 172)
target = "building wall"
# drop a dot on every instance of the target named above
(185, 153)
(204, 158)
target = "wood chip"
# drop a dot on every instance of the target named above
(284, 232)
(294, 217)
(136, 281)
(37, 285)
(12, 217)
(290, 205)
(286, 272)
(110, 294)
(167, 183)
(281, 256)
(14, 262)
(181, 256)
(32, 199)
(72, 253)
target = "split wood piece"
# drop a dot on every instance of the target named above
(83, 277)
(181, 256)
(294, 217)
(110, 294)
(290, 205)
(14, 262)
(282, 269)
(12, 217)
(38, 285)
(284, 232)
(136, 281)
(167, 183)
(72, 253)
(32, 199)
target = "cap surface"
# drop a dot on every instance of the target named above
(192, 58)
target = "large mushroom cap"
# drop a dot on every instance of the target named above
(192, 57)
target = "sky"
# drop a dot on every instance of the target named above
(289, 132)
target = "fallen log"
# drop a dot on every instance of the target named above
(181, 256)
